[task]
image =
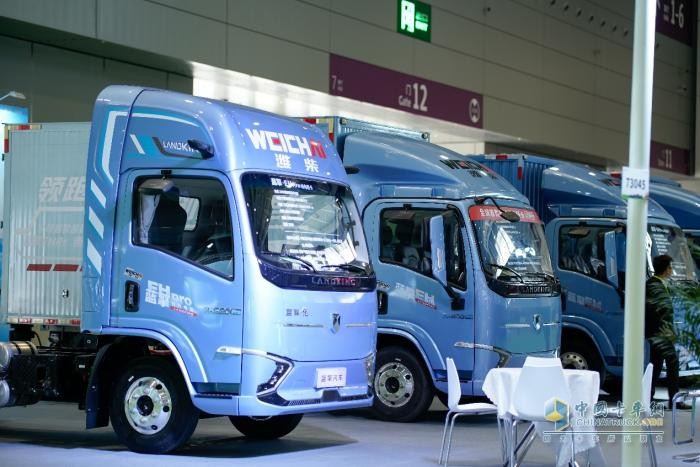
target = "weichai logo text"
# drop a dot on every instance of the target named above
(285, 142)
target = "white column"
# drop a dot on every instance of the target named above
(640, 139)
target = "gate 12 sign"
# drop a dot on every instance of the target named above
(370, 83)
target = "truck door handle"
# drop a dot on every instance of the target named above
(382, 302)
(131, 297)
(563, 300)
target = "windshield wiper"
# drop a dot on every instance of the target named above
(540, 274)
(346, 266)
(507, 268)
(306, 263)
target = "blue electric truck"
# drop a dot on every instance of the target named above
(462, 265)
(181, 257)
(684, 206)
(585, 221)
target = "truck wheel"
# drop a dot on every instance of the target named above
(266, 427)
(580, 355)
(151, 409)
(402, 391)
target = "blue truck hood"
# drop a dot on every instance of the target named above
(392, 165)
(567, 184)
(682, 204)
(557, 188)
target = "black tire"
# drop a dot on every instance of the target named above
(402, 390)
(580, 354)
(267, 427)
(151, 410)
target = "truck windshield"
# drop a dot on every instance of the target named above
(305, 225)
(511, 251)
(668, 240)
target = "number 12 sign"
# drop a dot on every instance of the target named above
(370, 83)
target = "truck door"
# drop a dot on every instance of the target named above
(416, 302)
(178, 271)
(591, 301)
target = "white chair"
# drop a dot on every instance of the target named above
(540, 380)
(646, 408)
(455, 409)
(646, 403)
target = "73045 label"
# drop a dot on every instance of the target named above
(635, 182)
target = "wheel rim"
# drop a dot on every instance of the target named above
(574, 360)
(148, 405)
(394, 384)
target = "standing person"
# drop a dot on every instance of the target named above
(658, 313)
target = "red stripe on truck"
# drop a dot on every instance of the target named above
(53, 267)
(65, 267)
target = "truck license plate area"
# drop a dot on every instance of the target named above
(331, 377)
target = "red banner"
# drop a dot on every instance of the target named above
(492, 213)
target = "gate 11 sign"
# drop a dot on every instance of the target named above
(671, 158)
(414, 19)
(370, 83)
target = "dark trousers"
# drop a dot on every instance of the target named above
(657, 359)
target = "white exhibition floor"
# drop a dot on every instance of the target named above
(53, 434)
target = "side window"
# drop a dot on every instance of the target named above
(454, 251)
(401, 237)
(187, 217)
(404, 240)
(582, 249)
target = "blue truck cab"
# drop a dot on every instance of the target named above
(684, 206)
(224, 272)
(461, 260)
(585, 222)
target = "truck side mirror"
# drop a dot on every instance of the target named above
(611, 258)
(437, 249)
(437, 254)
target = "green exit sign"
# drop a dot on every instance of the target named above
(414, 19)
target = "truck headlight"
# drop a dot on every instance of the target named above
(281, 370)
(369, 368)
